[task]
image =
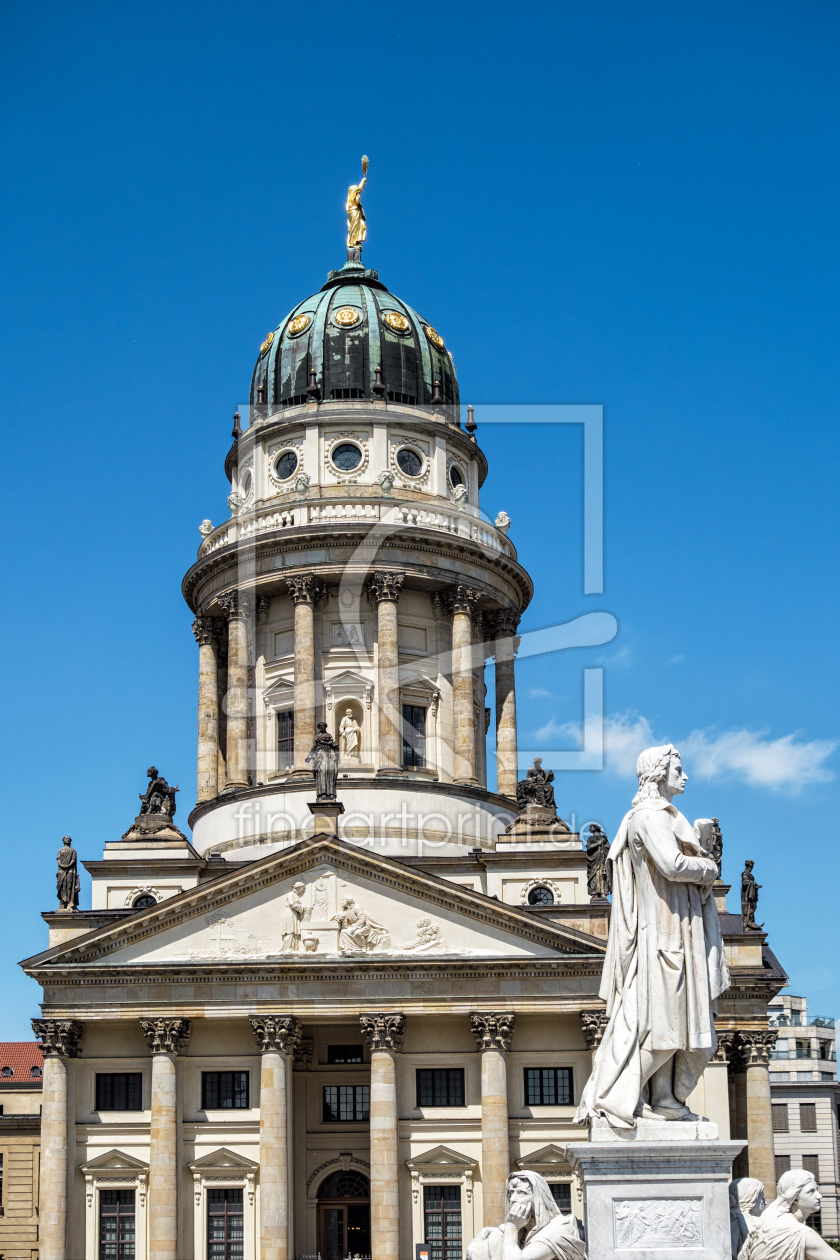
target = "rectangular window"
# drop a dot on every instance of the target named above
(548, 1087)
(346, 1102)
(782, 1163)
(811, 1164)
(440, 1087)
(815, 1222)
(345, 1054)
(224, 1089)
(414, 735)
(807, 1118)
(780, 1118)
(119, 1091)
(561, 1192)
(225, 1225)
(116, 1225)
(285, 739)
(442, 1221)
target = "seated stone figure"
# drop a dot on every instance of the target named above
(746, 1203)
(781, 1233)
(534, 1228)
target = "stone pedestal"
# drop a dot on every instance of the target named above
(659, 1192)
(326, 815)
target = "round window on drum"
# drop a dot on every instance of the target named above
(346, 457)
(456, 477)
(541, 896)
(285, 465)
(409, 462)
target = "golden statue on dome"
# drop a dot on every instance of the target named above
(356, 224)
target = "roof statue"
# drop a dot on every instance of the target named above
(356, 223)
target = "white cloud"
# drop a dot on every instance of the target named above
(625, 736)
(536, 692)
(786, 764)
(558, 730)
(677, 660)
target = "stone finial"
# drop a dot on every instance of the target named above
(277, 1032)
(593, 1026)
(502, 523)
(61, 1037)
(385, 586)
(236, 502)
(459, 493)
(166, 1036)
(304, 588)
(302, 484)
(493, 1030)
(383, 1032)
(206, 527)
(205, 629)
(386, 481)
(756, 1047)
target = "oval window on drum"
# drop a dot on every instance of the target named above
(285, 466)
(409, 462)
(347, 457)
(456, 477)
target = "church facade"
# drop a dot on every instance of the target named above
(332, 1027)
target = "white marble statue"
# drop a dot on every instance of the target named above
(534, 1228)
(781, 1233)
(359, 933)
(349, 733)
(293, 912)
(665, 964)
(746, 1203)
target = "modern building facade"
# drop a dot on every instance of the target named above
(806, 1097)
(21, 1084)
(308, 1033)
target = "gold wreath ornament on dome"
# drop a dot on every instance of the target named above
(266, 345)
(346, 316)
(298, 324)
(395, 320)
(434, 336)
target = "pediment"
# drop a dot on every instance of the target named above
(440, 1158)
(322, 902)
(115, 1161)
(547, 1159)
(223, 1160)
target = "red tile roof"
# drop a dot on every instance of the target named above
(21, 1057)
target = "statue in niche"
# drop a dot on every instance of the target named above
(324, 758)
(359, 933)
(749, 899)
(781, 1232)
(665, 964)
(597, 871)
(67, 883)
(293, 913)
(534, 1228)
(159, 797)
(537, 788)
(349, 733)
(746, 1203)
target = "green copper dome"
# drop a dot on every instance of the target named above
(347, 331)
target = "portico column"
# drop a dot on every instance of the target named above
(505, 625)
(493, 1031)
(755, 1048)
(277, 1036)
(304, 590)
(166, 1038)
(205, 630)
(384, 1036)
(384, 592)
(237, 692)
(462, 601)
(61, 1040)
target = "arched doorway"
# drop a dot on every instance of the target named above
(344, 1215)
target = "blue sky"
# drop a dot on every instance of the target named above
(628, 205)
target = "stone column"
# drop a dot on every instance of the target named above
(278, 1037)
(237, 690)
(479, 635)
(61, 1039)
(166, 1038)
(493, 1031)
(205, 630)
(505, 625)
(384, 592)
(462, 601)
(755, 1048)
(384, 1036)
(304, 591)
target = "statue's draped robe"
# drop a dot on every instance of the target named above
(665, 963)
(290, 923)
(781, 1238)
(67, 880)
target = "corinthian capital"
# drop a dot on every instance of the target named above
(229, 603)
(502, 623)
(61, 1037)
(462, 598)
(383, 1032)
(277, 1032)
(756, 1047)
(726, 1051)
(205, 629)
(166, 1036)
(385, 586)
(304, 588)
(493, 1030)
(593, 1025)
